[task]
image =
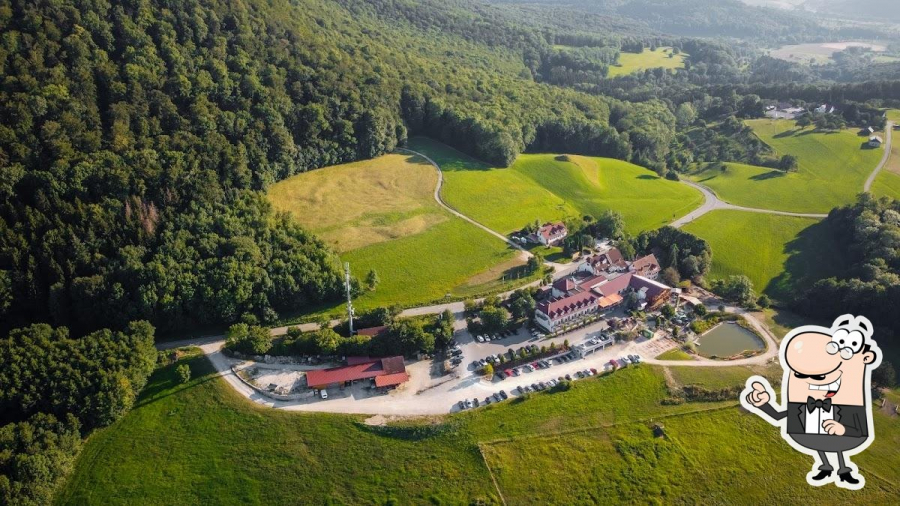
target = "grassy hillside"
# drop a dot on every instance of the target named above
(887, 183)
(780, 254)
(200, 443)
(362, 203)
(832, 170)
(544, 187)
(632, 62)
(381, 214)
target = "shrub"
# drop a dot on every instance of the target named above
(184, 373)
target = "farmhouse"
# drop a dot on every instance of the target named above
(875, 141)
(647, 266)
(551, 233)
(610, 260)
(372, 331)
(387, 372)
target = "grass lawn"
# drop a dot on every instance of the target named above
(449, 258)
(893, 115)
(780, 254)
(546, 188)
(201, 443)
(887, 183)
(381, 214)
(632, 62)
(782, 321)
(832, 170)
(675, 354)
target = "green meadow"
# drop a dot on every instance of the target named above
(887, 183)
(555, 187)
(201, 443)
(381, 214)
(833, 167)
(780, 254)
(633, 62)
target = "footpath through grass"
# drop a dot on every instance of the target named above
(661, 58)
(201, 443)
(381, 214)
(550, 187)
(780, 254)
(833, 168)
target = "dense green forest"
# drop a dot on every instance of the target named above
(138, 135)
(869, 233)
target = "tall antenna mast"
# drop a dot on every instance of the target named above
(349, 299)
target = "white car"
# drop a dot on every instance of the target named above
(323, 394)
(480, 339)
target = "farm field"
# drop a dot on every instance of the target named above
(833, 168)
(548, 187)
(887, 183)
(818, 53)
(201, 443)
(633, 62)
(780, 254)
(381, 214)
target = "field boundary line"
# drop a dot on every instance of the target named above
(491, 474)
(575, 430)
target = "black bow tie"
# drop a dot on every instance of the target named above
(812, 404)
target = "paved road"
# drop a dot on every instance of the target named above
(888, 133)
(712, 202)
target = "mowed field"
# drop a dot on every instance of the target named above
(780, 254)
(201, 443)
(632, 62)
(833, 168)
(818, 53)
(887, 183)
(545, 187)
(381, 214)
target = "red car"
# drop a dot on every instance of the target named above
(614, 364)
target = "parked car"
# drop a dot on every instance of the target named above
(480, 339)
(462, 404)
(503, 394)
(468, 404)
(476, 402)
(569, 377)
(626, 360)
(637, 359)
(534, 386)
(593, 370)
(487, 400)
(579, 374)
(521, 389)
(323, 394)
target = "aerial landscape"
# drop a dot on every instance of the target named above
(448, 251)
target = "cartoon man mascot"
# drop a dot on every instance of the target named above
(826, 396)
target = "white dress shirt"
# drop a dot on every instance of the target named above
(815, 419)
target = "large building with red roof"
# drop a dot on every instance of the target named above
(577, 296)
(386, 372)
(551, 233)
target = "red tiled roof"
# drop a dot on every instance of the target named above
(646, 265)
(560, 307)
(654, 288)
(551, 230)
(393, 365)
(389, 380)
(611, 258)
(614, 285)
(372, 331)
(564, 284)
(356, 371)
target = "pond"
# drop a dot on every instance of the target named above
(728, 339)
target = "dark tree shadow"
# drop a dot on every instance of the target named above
(648, 177)
(772, 174)
(813, 254)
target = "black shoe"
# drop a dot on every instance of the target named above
(847, 477)
(821, 476)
